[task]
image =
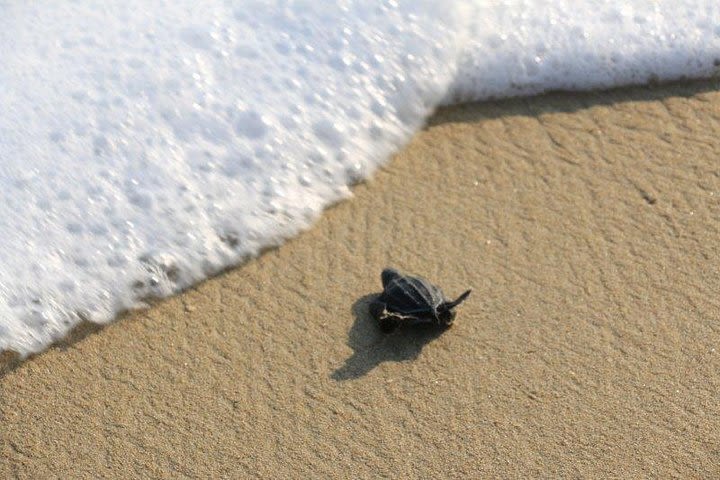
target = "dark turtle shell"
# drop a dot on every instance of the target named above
(411, 300)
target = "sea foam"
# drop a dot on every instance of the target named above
(145, 145)
(521, 47)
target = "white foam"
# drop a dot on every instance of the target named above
(521, 47)
(145, 145)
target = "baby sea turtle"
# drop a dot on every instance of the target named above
(410, 301)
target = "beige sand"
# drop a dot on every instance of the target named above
(588, 226)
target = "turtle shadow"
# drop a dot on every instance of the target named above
(372, 347)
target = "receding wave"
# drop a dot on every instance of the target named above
(147, 145)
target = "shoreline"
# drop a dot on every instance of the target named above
(10, 359)
(586, 224)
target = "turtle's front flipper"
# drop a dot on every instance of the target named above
(458, 301)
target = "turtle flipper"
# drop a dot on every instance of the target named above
(377, 309)
(387, 320)
(458, 301)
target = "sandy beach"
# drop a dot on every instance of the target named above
(588, 226)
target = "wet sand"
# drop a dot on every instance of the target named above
(588, 226)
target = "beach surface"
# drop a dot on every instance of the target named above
(588, 226)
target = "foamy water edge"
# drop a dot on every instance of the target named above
(201, 143)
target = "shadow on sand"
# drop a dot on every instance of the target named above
(372, 347)
(569, 102)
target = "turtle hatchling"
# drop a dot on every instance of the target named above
(407, 300)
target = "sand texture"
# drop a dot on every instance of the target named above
(588, 226)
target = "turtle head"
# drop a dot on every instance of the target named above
(445, 313)
(445, 316)
(388, 275)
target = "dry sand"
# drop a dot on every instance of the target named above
(588, 226)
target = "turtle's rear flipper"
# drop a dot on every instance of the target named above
(386, 320)
(377, 309)
(389, 321)
(388, 275)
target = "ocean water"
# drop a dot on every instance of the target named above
(146, 144)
